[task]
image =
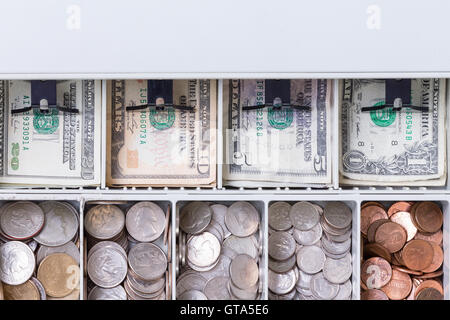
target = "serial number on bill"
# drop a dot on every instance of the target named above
(229, 309)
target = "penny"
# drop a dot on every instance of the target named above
(59, 274)
(147, 261)
(433, 237)
(203, 249)
(337, 214)
(429, 294)
(281, 283)
(370, 214)
(376, 250)
(391, 235)
(311, 259)
(217, 289)
(373, 294)
(322, 289)
(372, 203)
(429, 284)
(22, 220)
(104, 221)
(115, 293)
(399, 286)
(279, 219)
(399, 206)
(244, 271)
(242, 219)
(403, 218)
(281, 245)
(145, 221)
(428, 217)
(408, 271)
(17, 263)
(438, 258)
(24, 291)
(417, 255)
(376, 273)
(70, 248)
(309, 237)
(304, 216)
(431, 275)
(373, 228)
(60, 226)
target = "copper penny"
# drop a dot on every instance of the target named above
(430, 284)
(403, 218)
(373, 228)
(374, 294)
(438, 258)
(363, 285)
(376, 272)
(399, 206)
(412, 294)
(417, 254)
(428, 217)
(397, 258)
(406, 270)
(391, 235)
(432, 237)
(429, 294)
(431, 275)
(377, 250)
(372, 203)
(399, 286)
(370, 214)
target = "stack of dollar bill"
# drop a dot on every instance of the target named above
(161, 147)
(391, 147)
(270, 147)
(51, 148)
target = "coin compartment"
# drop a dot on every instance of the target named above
(355, 248)
(125, 203)
(444, 205)
(262, 233)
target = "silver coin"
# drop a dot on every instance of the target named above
(335, 256)
(242, 219)
(219, 211)
(229, 252)
(244, 271)
(333, 231)
(148, 261)
(217, 289)
(345, 291)
(287, 296)
(22, 220)
(282, 266)
(310, 259)
(304, 216)
(338, 270)
(190, 281)
(115, 293)
(318, 208)
(104, 221)
(279, 219)
(203, 250)
(309, 237)
(107, 267)
(70, 248)
(322, 289)
(336, 247)
(40, 288)
(304, 280)
(242, 245)
(281, 283)
(242, 294)
(145, 286)
(339, 238)
(305, 292)
(33, 245)
(61, 224)
(17, 263)
(145, 221)
(216, 232)
(107, 244)
(192, 295)
(195, 217)
(337, 214)
(281, 245)
(137, 295)
(221, 269)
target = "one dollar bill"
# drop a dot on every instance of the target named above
(277, 147)
(52, 148)
(393, 147)
(168, 147)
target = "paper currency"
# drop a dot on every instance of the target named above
(387, 147)
(169, 147)
(268, 147)
(55, 148)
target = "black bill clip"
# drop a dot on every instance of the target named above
(398, 96)
(160, 96)
(277, 96)
(43, 98)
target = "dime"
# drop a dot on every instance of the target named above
(244, 271)
(373, 294)
(217, 289)
(59, 274)
(24, 291)
(192, 295)
(309, 237)
(399, 206)
(337, 214)
(376, 272)
(107, 267)
(399, 286)
(391, 235)
(428, 217)
(114, 293)
(22, 220)
(370, 214)
(281, 245)
(418, 254)
(17, 263)
(310, 259)
(438, 258)
(279, 219)
(203, 250)
(304, 216)
(145, 221)
(147, 261)
(322, 289)
(61, 224)
(195, 217)
(404, 219)
(70, 248)
(281, 283)
(242, 219)
(104, 221)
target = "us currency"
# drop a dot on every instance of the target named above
(169, 147)
(387, 147)
(268, 147)
(55, 148)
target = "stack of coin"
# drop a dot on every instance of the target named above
(39, 235)
(219, 252)
(309, 251)
(402, 251)
(126, 260)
